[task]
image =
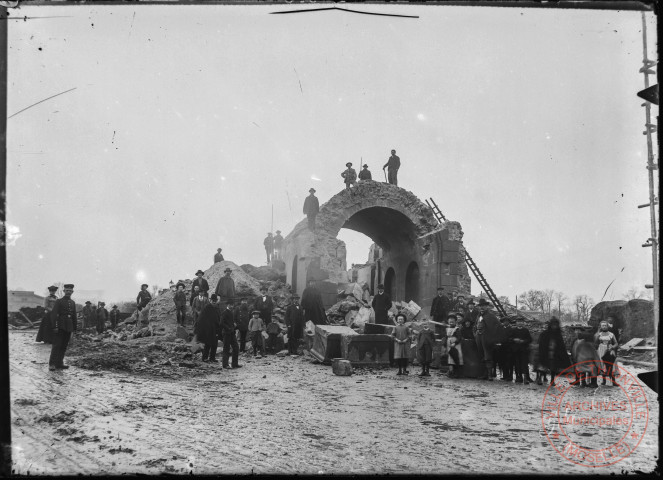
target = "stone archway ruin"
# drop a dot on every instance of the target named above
(402, 226)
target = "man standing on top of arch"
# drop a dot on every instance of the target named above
(392, 166)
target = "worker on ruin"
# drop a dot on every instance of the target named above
(381, 304)
(365, 174)
(45, 333)
(278, 246)
(64, 323)
(294, 320)
(314, 309)
(349, 176)
(488, 332)
(440, 308)
(228, 327)
(180, 303)
(102, 316)
(392, 166)
(268, 242)
(144, 297)
(264, 305)
(311, 208)
(242, 318)
(225, 288)
(201, 282)
(218, 256)
(115, 316)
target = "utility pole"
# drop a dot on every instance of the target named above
(651, 166)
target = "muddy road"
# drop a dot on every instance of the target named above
(281, 415)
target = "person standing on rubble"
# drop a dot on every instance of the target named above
(64, 323)
(268, 242)
(87, 314)
(311, 208)
(294, 320)
(208, 329)
(225, 288)
(143, 298)
(265, 305)
(314, 309)
(201, 282)
(102, 316)
(242, 317)
(349, 176)
(365, 174)
(45, 333)
(392, 166)
(114, 317)
(228, 326)
(218, 256)
(381, 304)
(180, 303)
(278, 246)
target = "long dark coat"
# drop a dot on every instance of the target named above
(311, 205)
(314, 310)
(439, 309)
(225, 288)
(294, 320)
(242, 317)
(209, 324)
(265, 308)
(425, 342)
(381, 304)
(552, 350)
(228, 321)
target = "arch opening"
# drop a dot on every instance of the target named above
(389, 277)
(412, 283)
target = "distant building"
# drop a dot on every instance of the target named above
(17, 299)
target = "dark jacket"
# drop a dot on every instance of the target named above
(228, 321)
(63, 316)
(278, 241)
(265, 307)
(552, 350)
(439, 309)
(242, 317)
(425, 342)
(218, 257)
(314, 309)
(294, 316)
(225, 288)
(365, 175)
(114, 316)
(143, 298)
(311, 206)
(493, 331)
(179, 298)
(394, 163)
(209, 325)
(523, 334)
(202, 283)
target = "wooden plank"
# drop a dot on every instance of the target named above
(634, 342)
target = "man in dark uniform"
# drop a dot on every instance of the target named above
(201, 282)
(365, 174)
(114, 316)
(143, 298)
(392, 166)
(64, 322)
(294, 320)
(381, 304)
(268, 242)
(225, 288)
(311, 208)
(218, 257)
(278, 246)
(264, 305)
(229, 339)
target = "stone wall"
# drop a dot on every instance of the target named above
(635, 317)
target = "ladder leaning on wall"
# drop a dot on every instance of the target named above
(470, 263)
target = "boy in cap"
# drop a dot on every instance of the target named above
(311, 208)
(45, 333)
(114, 317)
(365, 174)
(350, 176)
(64, 323)
(143, 298)
(180, 303)
(425, 342)
(256, 326)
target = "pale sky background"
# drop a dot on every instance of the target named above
(188, 123)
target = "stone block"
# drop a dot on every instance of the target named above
(449, 280)
(182, 333)
(327, 342)
(367, 349)
(454, 269)
(450, 257)
(450, 246)
(341, 367)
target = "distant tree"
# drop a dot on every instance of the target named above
(560, 298)
(547, 298)
(635, 293)
(531, 300)
(504, 300)
(155, 290)
(583, 306)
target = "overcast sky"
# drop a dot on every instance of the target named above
(187, 123)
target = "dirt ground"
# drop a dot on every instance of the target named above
(281, 415)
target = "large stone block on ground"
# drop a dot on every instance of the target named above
(635, 317)
(367, 349)
(341, 367)
(327, 342)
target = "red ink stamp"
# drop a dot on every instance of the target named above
(594, 427)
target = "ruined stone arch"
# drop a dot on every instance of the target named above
(396, 220)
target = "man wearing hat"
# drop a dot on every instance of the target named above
(242, 318)
(392, 166)
(350, 176)
(520, 339)
(381, 304)
(143, 297)
(218, 257)
(102, 316)
(278, 245)
(225, 288)
(64, 323)
(114, 317)
(199, 303)
(439, 309)
(201, 282)
(311, 208)
(314, 309)
(472, 311)
(365, 174)
(208, 329)
(87, 314)
(180, 303)
(264, 305)
(294, 320)
(229, 339)
(45, 333)
(459, 305)
(268, 242)
(488, 331)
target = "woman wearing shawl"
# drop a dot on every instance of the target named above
(552, 351)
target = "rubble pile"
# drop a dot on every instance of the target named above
(264, 273)
(27, 317)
